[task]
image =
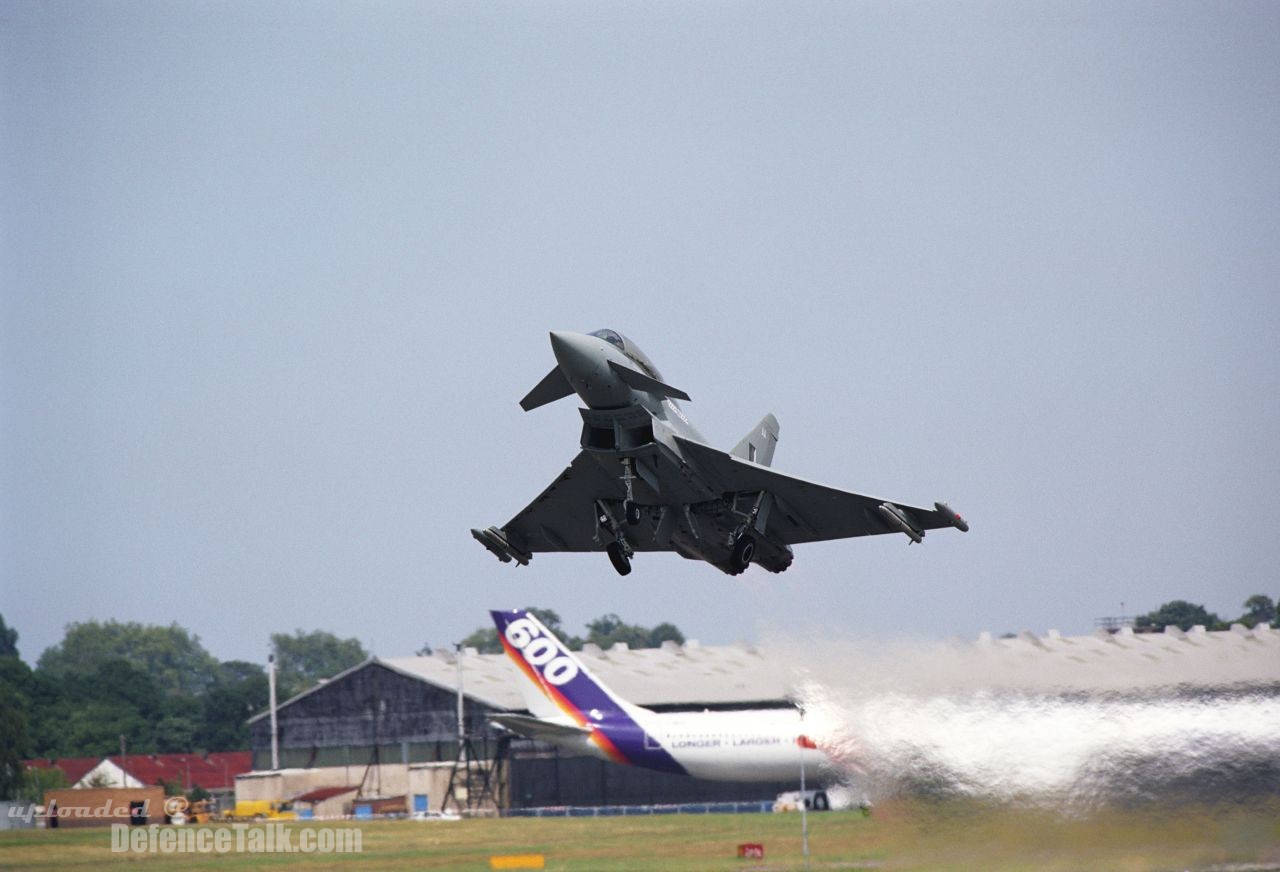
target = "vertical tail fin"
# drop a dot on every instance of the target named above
(557, 684)
(757, 446)
(560, 683)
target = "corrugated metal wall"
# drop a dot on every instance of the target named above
(342, 722)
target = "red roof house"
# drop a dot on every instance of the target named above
(213, 772)
(74, 768)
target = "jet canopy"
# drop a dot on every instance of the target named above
(630, 349)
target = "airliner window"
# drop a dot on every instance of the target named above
(610, 336)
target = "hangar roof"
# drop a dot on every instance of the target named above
(1129, 661)
(674, 675)
(685, 676)
(692, 676)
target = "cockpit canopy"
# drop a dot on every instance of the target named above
(629, 348)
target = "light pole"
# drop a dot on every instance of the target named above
(804, 802)
(275, 735)
(462, 724)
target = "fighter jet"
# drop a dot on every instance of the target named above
(646, 480)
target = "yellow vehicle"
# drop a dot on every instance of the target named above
(200, 812)
(262, 810)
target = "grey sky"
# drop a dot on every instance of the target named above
(275, 276)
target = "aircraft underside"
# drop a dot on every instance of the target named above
(645, 480)
(713, 531)
(661, 506)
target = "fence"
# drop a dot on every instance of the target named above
(753, 807)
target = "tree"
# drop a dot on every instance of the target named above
(304, 658)
(1180, 614)
(17, 678)
(1259, 609)
(155, 685)
(14, 742)
(99, 780)
(175, 734)
(94, 730)
(8, 640)
(174, 657)
(84, 714)
(15, 722)
(233, 672)
(238, 692)
(36, 781)
(609, 630)
(172, 786)
(484, 640)
(119, 682)
(665, 632)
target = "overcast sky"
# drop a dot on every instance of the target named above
(276, 275)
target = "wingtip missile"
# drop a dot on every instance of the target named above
(952, 516)
(499, 546)
(896, 518)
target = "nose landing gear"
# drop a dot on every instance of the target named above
(619, 550)
(629, 507)
(633, 511)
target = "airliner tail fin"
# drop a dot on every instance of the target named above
(557, 684)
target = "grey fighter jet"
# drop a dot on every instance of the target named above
(645, 480)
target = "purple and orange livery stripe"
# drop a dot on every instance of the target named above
(575, 714)
(565, 680)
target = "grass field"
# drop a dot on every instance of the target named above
(900, 835)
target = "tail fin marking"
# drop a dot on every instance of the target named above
(758, 445)
(568, 685)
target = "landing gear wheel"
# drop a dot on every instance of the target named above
(820, 801)
(633, 513)
(743, 550)
(620, 561)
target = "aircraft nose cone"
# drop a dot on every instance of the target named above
(584, 360)
(574, 352)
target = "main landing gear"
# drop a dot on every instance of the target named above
(618, 556)
(741, 542)
(743, 550)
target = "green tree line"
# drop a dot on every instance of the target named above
(156, 686)
(1258, 609)
(604, 631)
